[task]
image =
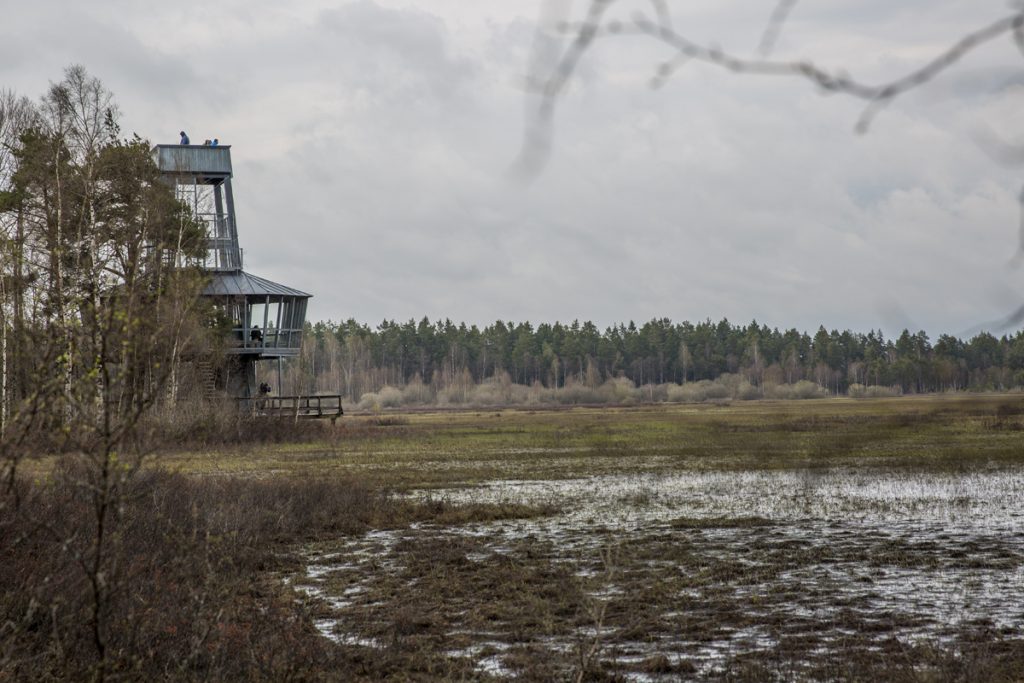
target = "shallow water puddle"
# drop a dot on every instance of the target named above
(689, 574)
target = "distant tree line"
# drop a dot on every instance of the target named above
(355, 358)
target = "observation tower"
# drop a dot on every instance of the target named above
(264, 319)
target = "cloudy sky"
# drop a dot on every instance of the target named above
(373, 141)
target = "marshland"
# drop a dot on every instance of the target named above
(832, 539)
(662, 501)
(713, 542)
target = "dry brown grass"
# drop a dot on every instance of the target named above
(193, 576)
(205, 540)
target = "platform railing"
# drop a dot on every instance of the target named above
(254, 340)
(305, 407)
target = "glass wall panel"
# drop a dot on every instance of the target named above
(257, 313)
(288, 312)
(271, 333)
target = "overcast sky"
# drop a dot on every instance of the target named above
(372, 142)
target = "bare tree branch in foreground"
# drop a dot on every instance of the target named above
(657, 25)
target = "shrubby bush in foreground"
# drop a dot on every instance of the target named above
(181, 589)
(186, 584)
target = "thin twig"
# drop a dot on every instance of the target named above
(774, 27)
(668, 69)
(537, 142)
(877, 95)
(538, 134)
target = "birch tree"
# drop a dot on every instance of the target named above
(98, 303)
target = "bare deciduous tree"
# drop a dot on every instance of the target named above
(97, 306)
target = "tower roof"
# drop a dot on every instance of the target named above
(240, 283)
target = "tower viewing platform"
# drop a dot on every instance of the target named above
(264, 320)
(201, 176)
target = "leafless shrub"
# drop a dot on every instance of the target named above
(417, 393)
(215, 422)
(452, 396)
(590, 644)
(196, 563)
(575, 394)
(188, 560)
(498, 390)
(502, 391)
(877, 391)
(856, 390)
(387, 397)
(698, 392)
(871, 391)
(654, 393)
(619, 390)
(803, 389)
(691, 392)
(745, 391)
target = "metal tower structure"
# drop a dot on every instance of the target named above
(266, 319)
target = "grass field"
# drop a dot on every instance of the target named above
(821, 540)
(445, 449)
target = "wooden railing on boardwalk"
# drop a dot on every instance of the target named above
(328, 406)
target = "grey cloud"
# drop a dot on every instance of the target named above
(371, 141)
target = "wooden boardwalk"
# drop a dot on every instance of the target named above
(297, 407)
